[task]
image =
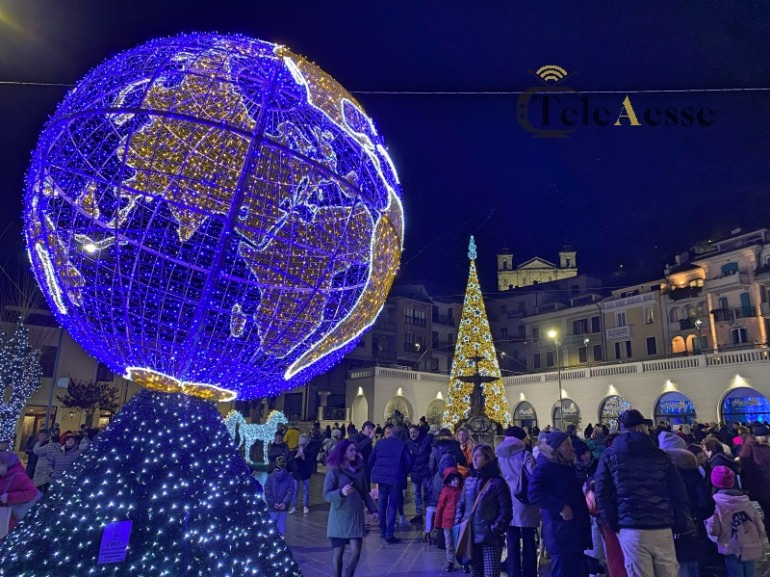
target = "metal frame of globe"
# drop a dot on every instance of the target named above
(213, 215)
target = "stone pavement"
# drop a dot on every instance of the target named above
(306, 537)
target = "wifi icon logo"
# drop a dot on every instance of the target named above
(551, 73)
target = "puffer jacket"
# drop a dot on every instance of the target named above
(446, 507)
(638, 487)
(390, 462)
(437, 484)
(420, 450)
(18, 488)
(493, 511)
(513, 457)
(552, 486)
(735, 526)
(61, 461)
(279, 488)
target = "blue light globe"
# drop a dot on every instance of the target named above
(213, 215)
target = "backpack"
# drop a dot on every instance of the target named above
(522, 483)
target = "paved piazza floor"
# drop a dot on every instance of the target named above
(306, 536)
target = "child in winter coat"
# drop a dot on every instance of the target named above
(279, 492)
(445, 511)
(735, 526)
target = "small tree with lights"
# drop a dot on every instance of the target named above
(20, 376)
(89, 396)
(475, 358)
(20, 370)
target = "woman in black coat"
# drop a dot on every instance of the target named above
(492, 514)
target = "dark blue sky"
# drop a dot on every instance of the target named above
(631, 195)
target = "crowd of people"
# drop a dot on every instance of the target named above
(638, 500)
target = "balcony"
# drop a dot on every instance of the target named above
(618, 333)
(736, 279)
(766, 309)
(744, 312)
(688, 292)
(687, 324)
(723, 315)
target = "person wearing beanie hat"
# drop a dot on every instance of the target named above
(690, 547)
(755, 469)
(515, 461)
(279, 492)
(641, 496)
(555, 488)
(735, 525)
(301, 464)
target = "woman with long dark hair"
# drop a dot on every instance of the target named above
(486, 499)
(345, 490)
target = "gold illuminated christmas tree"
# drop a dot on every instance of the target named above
(475, 362)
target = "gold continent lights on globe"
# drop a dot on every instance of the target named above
(213, 215)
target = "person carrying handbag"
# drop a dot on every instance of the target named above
(517, 466)
(16, 490)
(486, 502)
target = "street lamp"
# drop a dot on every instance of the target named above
(698, 325)
(585, 344)
(554, 336)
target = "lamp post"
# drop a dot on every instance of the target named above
(554, 336)
(585, 344)
(698, 325)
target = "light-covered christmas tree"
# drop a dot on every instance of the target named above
(166, 475)
(474, 357)
(20, 375)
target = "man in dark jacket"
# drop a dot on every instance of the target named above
(363, 442)
(276, 449)
(641, 496)
(390, 462)
(419, 445)
(445, 443)
(556, 489)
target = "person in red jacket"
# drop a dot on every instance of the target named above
(446, 509)
(15, 486)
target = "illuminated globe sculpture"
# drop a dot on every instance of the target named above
(213, 215)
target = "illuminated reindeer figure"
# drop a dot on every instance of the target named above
(250, 434)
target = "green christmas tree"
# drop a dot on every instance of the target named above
(475, 351)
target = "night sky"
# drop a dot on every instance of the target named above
(442, 79)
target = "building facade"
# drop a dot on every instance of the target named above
(534, 271)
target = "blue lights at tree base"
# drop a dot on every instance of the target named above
(168, 465)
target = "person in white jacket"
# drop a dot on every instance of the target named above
(735, 525)
(515, 461)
